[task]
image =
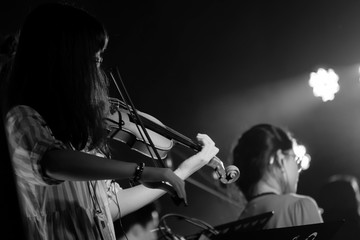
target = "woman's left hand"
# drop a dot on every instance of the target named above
(200, 159)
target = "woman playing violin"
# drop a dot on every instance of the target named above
(54, 112)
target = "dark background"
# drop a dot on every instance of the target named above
(219, 67)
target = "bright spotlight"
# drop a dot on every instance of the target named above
(305, 162)
(324, 84)
(303, 158)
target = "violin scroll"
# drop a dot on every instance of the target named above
(232, 174)
(226, 175)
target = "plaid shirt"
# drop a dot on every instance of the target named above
(53, 209)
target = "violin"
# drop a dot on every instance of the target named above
(123, 126)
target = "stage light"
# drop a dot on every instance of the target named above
(304, 158)
(305, 162)
(324, 84)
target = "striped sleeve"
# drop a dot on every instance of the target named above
(29, 139)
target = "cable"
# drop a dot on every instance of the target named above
(197, 222)
(118, 206)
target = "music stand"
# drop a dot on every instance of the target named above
(319, 231)
(253, 223)
(247, 224)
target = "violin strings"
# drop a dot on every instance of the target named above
(139, 121)
(127, 106)
(174, 134)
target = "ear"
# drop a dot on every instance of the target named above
(280, 159)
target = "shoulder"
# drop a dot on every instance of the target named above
(29, 139)
(23, 120)
(26, 128)
(304, 208)
(297, 204)
(23, 112)
(299, 199)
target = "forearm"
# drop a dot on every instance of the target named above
(79, 166)
(190, 166)
(134, 198)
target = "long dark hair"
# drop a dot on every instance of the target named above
(253, 150)
(55, 72)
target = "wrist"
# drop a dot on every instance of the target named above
(182, 173)
(189, 166)
(137, 177)
(153, 174)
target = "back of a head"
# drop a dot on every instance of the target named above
(339, 198)
(253, 150)
(57, 43)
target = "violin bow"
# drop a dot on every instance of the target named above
(131, 108)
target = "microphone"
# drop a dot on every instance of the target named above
(226, 175)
